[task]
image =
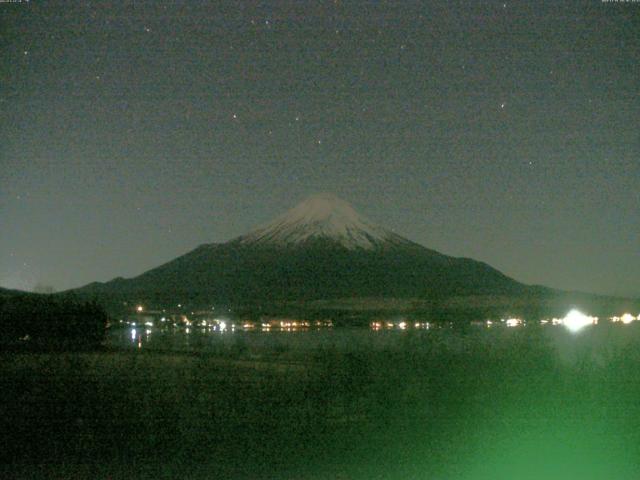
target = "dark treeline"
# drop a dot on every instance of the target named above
(51, 321)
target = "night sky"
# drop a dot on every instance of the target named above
(507, 132)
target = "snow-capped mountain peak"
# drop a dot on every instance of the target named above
(321, 216)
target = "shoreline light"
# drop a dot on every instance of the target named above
(576, 320)
(513, 322)
(626, 318)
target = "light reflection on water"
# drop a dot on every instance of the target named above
(211, 338)
(596, 341)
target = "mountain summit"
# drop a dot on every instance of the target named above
(323, 216)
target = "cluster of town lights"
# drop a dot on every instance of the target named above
(626, 318)
(219, 324)
(574, 321)
(402, 325)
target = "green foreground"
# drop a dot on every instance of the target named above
(508, 404)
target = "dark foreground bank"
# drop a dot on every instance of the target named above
(510, 404)
(38, 322)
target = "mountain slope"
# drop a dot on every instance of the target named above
(320, 249)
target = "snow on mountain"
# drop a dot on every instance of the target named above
(322, 216)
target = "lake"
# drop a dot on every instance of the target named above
(597, 342)
(473, 403)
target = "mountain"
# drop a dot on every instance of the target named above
(8, 293)
(322, 249)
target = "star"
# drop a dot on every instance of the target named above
(502, 105)
(235, 117)
(147, 29)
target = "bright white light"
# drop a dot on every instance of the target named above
(576, 320)
(223, 326)
(627, 318)
(513, 322)
(133, 334)
(402, 325)
(139, 308)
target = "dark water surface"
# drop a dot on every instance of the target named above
(477, 403)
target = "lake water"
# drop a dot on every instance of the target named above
(474, 403)
(598, 343)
